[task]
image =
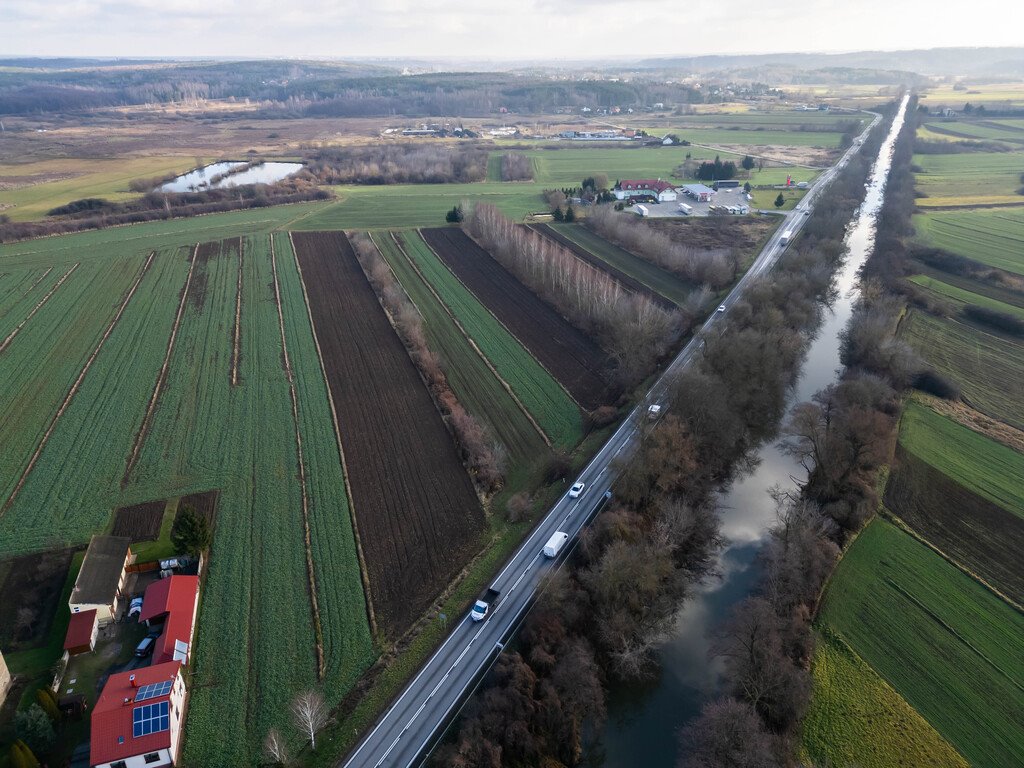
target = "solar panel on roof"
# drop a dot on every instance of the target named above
(150, 718)
(153, 690)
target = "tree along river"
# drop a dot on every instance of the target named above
(644, 720)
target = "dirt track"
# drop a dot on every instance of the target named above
(418, 516)
(569, 355)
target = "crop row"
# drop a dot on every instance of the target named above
(548, 402)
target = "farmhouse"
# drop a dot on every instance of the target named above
(101, 582)
(138, 718)
(172, 602)
(657, 189)
(82, 631)
(698, 192)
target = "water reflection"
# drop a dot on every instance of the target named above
(212, 176)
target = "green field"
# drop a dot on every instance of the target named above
(947, 645)
(856, 718)
(549, 404)
(77, 179)
(256, 619)
(982, 130)
(987, 367)
(961, 296)
(477, 387)
(970, 178)
(981, 465)
(993, 237)
(670, 286)
(775, 138)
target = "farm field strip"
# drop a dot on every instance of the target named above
(40, 303)
(986, 130)
(963, 297)
(162, 375)
(970, 176)
(546, 399)
(856, 718)
(74, 389)
(478, 385)
(76, 483)
(572, 357)
(949, 646)
(672, 287)
(625, 280)
(419, 520)
(310, 572)
(13, 290)
(989, 469)
(971, 285)
(975, 533)
(993, 237)
(237, 335)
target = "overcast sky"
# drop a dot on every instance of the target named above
(513, 29)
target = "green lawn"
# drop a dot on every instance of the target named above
(970, 178)
(550, 405)
(477, 387)
(993, 237)
(947, 645)
(987, 367)
(981, 465)
(668, 285)
(856, 718)
(961, 296)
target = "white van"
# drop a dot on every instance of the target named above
(555, 543)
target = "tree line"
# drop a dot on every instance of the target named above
(404, 163)
(515, 166)
(481, 454)
(633, 329)
(96, 213)
(713, 267)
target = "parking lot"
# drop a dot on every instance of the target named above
(671, 209)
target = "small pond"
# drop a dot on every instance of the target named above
(200, 178)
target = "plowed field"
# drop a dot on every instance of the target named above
(566, 352)
(418, 517)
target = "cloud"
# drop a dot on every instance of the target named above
(519, 29)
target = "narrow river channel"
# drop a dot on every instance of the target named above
(643, 721)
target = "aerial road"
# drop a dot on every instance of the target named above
(407, 731)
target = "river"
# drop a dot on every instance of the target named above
(644, 720)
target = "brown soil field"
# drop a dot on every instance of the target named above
(742, 234)
(140, 521)
(205, 505)
(626, 281)
(572, 357)
(418, 517)
(979, 535)
(30, 589)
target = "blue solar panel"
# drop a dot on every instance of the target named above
(150, 718)
(153, 690)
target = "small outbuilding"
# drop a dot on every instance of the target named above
(101, 582)
(82, 632)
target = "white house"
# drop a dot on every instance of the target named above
(660, 190)
(138, 719)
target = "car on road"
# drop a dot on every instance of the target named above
(721, 307)
(577, 490)
(483, 605)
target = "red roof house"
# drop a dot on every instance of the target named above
(138, 718)
(82, 631)
(174, 601)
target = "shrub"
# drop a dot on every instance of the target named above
(934, 383)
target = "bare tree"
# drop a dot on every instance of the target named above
(728, 734)
(310, 714)
(274, 748)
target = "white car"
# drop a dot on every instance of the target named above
(721, 307)
(576, 491)
(135, 607)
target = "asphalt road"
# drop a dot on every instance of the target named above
(404, 735)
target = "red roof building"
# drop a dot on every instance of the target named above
(138, 718)
(82, 631)
(173, 601)
(656, 188)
